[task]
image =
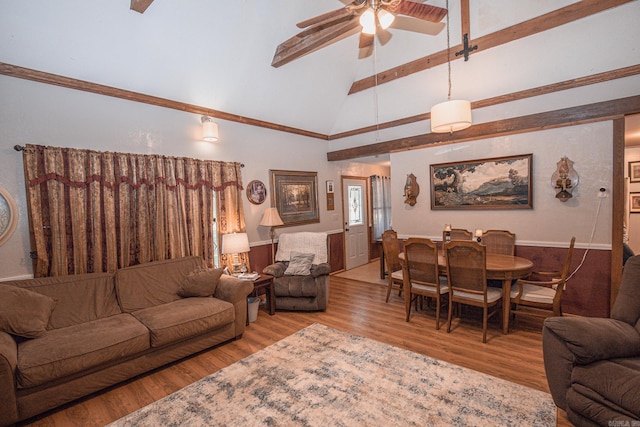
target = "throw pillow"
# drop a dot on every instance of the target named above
(299, 264)
(23, 312)
(200, 283)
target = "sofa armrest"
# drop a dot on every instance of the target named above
(592, 339)
(8, 364)
(320, 269)
(235, 291)
(276, 269)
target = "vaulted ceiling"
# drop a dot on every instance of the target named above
(215, 57)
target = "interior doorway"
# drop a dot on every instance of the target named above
(355, 213)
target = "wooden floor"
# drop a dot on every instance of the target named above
(355, 307)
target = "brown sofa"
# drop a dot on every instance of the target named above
(593, 364)
(105, 328)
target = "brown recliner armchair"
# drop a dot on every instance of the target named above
(593, 364)
(301, 272)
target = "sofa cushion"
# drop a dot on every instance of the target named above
(23, 312)
(295, 286)
(153, 283)
(605, 384)
(70, 350)
(300, 264)
(200, 283)
(185, 318)
(80, 298)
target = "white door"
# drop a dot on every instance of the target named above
(354, 194)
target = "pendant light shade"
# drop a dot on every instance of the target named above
(450, 116)
(385, 18)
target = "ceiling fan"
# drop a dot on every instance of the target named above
(371, 17)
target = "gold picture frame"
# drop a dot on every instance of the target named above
(256, 192)
(295, 195)
(495, 183)
(8, 215)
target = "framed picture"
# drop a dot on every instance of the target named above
(8, 215)
(295, 194)
(329, 186)
(634, 202)
(496, 183)
(256, 192)
(634, 171)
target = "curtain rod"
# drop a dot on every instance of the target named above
(22, 148)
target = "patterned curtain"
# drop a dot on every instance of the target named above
(98, 211)
(381, 203)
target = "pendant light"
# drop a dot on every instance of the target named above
(209, 129)
(453, 114)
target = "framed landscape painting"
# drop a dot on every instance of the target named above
(496, 183)
(295, 194)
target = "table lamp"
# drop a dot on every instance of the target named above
(478, 235)
(271, 218)
(236, 243)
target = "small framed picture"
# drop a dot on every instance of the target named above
(634, 202)
(329, 186)
(634, 171)
(256, 192)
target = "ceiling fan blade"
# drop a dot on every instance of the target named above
(326, 17)
(366, 40)
(420, 11)
(383, 35)
(306, 41)
(417, 25)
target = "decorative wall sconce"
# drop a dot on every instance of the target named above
(209, 129)
(411, 190)
(565, 179)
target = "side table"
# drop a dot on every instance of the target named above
(264, 281)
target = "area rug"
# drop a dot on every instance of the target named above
(323, 377)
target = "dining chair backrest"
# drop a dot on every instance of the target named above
(466, 266)
(421, 261)
(391, 248)
(457, 234)
(501, 242)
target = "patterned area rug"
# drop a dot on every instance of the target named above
(323, 377)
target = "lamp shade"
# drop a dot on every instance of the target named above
(235, 243)
(271, 218)
(209, 129)
(385, 18)
(368, 22)
(450, 116)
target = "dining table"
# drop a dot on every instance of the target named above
(505, 268)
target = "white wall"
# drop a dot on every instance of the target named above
(550, 222)
(49, 115)
(633, 220)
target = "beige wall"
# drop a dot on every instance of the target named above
(550, 222)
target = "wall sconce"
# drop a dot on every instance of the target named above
(236, 243)
(447, 233)
(565, 179)
(478, 235)
(209, 129)
(411, 190)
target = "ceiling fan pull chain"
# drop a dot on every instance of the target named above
(448, 53)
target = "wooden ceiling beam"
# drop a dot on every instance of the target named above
(69, 83)
(598, 111)
(514, 96)
(533, 26)
(140, 5)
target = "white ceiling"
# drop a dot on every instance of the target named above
(217, 54)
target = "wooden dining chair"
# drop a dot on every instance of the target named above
(541, 298)
(467, 276)
(421, 276)
(391, 249)
(457, 234)
(500, 242)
